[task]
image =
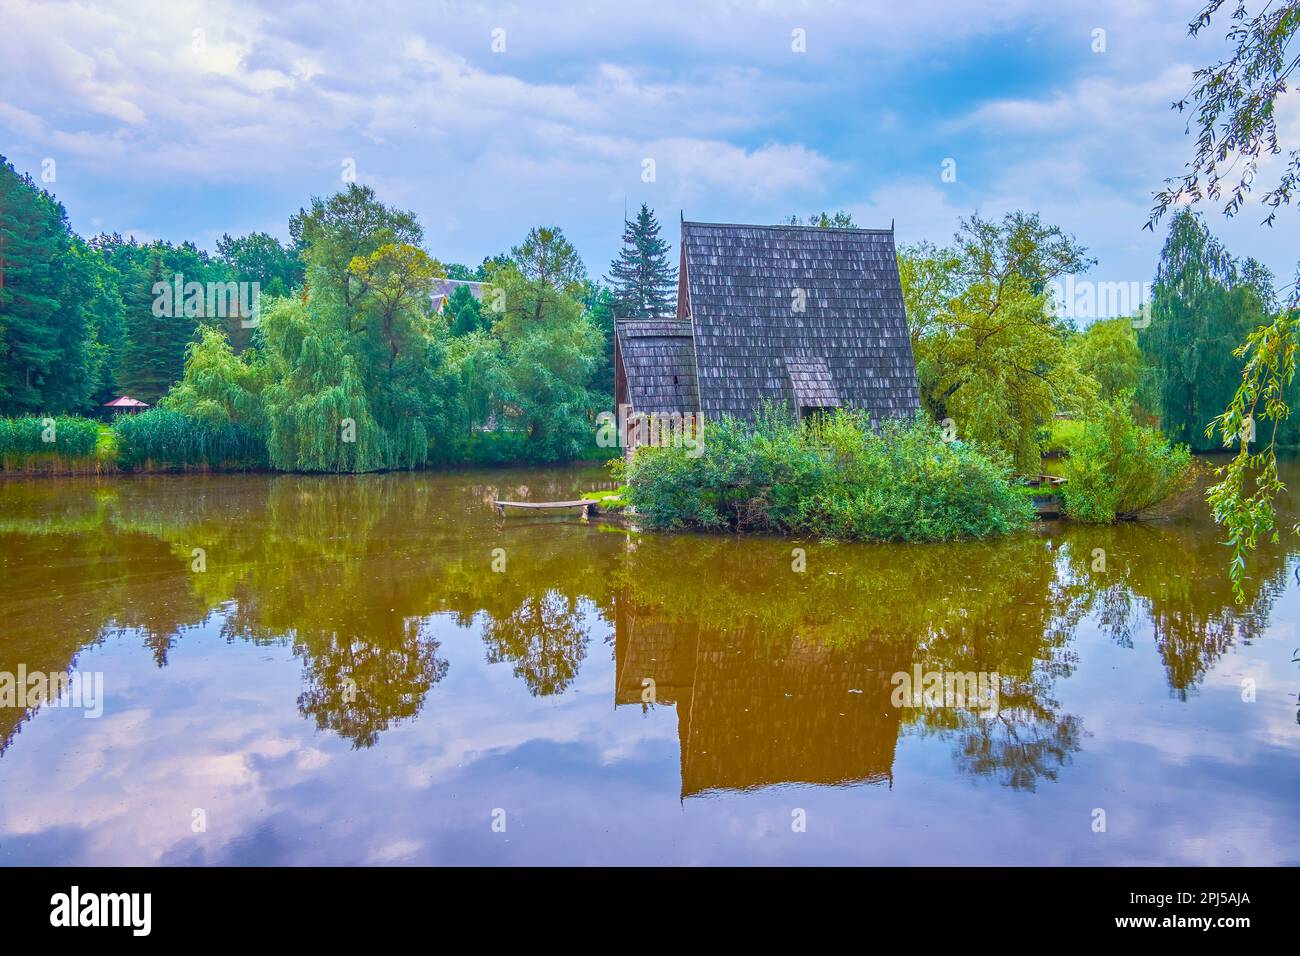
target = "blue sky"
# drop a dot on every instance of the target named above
(184, 120)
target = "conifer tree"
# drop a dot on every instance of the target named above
(153, 355)
(643, 282)
(46, 342)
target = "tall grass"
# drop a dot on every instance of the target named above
(165, 440)
(838, 478)
(47, 446)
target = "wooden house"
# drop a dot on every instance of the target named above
(807, 316)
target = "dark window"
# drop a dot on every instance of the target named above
(674, 379)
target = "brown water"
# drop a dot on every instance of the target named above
(342, 677)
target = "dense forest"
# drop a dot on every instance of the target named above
(340, 362)
(338, 359)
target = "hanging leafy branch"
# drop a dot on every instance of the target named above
(1233, 111)
(1232, 104)
(1242, 500)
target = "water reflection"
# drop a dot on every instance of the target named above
(776, 676)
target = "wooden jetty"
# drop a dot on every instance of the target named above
(1046, 502)
(588, 505)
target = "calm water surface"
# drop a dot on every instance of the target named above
(349, 681)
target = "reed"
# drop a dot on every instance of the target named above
(58, 445)
(165, 440)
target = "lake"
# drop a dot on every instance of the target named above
(380, 670)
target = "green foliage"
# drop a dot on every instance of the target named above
(1107, 352)
(1235, 118)
(1233, 102)
(989, 353)
(1201, 309)
(465, 312)
(1242, 500)
(615, 499)
(642, 280)
(355, 366)
(161, 438)
(825, 220)
(49, 358)
(1117, 469)
(59, 444)
(551, 346)
(259, 257)
(599, 304)
(218, 385)
(837, 478)
(484, 448)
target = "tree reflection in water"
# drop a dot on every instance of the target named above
(776, 676)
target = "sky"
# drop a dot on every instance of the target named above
(178, 119)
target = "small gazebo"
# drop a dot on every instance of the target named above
(126, 405)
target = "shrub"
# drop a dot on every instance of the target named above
(837, 478)
(48, 445)
(164, 439)
(1116, 468)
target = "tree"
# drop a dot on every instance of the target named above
(1196, 321)
(48, 356)
(259, 257)
(643, 282)
(825, 220)
(158, 330)
(1234, 103)
(395, 284)
(990, 353)
(476, 363)
(1107, 352)
(218, 386)
(551, 347)
(600, 305)
(357, 379)
(465, 311)
(335, 231)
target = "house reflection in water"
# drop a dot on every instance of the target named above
(796, 713)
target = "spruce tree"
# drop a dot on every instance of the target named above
(643, 282)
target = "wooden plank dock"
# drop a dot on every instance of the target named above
(588, 505)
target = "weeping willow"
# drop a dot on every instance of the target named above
(332, 409)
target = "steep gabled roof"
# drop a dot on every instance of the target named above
(658, 357)
(443, 288)
(780, 311)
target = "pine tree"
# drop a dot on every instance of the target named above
(45, 339)
(643, 282)
(153, 355)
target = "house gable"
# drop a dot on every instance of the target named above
(797, 314)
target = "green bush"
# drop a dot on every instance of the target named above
(838, 478)
(165, 439)
(61, 443)
(1117, 468)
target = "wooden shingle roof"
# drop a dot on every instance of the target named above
(658, 356)
(789, 312)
